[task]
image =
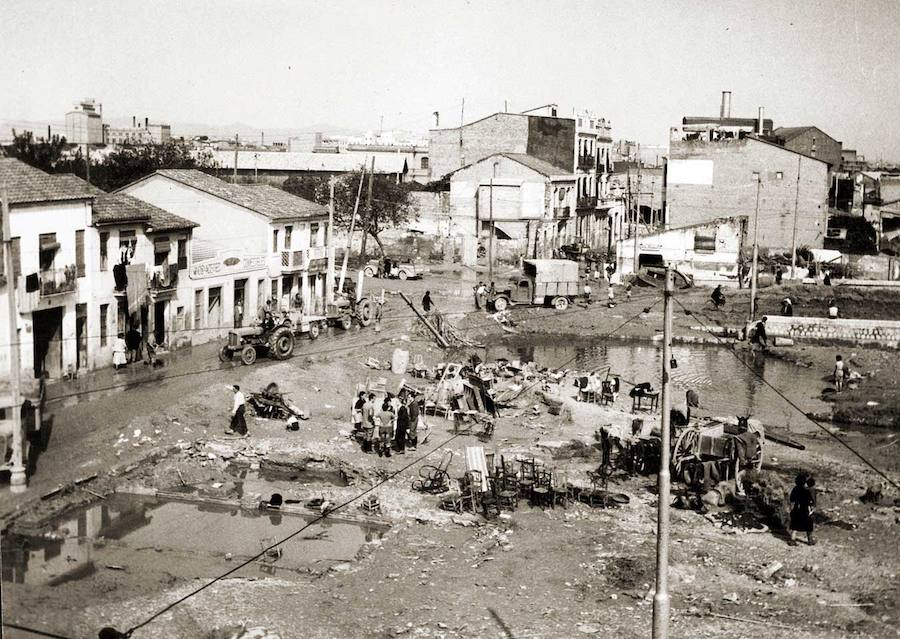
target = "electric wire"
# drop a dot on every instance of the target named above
(789, 401)
(344, 504)
(34, 631)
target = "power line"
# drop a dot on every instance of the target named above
(135, 383)
(34, 631)
(262, 553)
(789, 401)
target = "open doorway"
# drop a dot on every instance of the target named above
(159, 322)
(48, 342)
(81, 336)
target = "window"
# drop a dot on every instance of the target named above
(182, 254)
(314, 234)
(104, 251)
(161, 248)
(779, 175)
(424, 163)
(214, 307)
(79, 252)
(16, 250)
(198, 308)
(275, 241)
(104, 312)
(274, 295)
(705, 241)
(127, 245)
(288, 232)
(179, 318)
(47, 248)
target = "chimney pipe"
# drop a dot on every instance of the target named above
(437, 119)
(725, 109)
(146, 122)
(133, 121)
(759, 123)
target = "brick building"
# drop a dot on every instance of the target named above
(811, 141)
(708, 180)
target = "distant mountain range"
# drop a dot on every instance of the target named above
(247, 132)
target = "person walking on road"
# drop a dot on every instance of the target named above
(238, 409)
(133, 339)
(427, 304)
(587, 292)
(120, 352)
(368, 414)
(759, 336)
(480, 296)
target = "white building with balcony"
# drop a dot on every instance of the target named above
(50, 231)
(252, 243)
(139, 274)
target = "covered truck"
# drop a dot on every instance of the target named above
(541, 282)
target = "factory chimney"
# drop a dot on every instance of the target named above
(146, 122)
(133, 121)
(759, 123)
(437, 119)
(725, 109)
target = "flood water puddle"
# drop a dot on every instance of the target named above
(727, 385)
(150, 537)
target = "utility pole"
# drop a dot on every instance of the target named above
(329, 249)
(491, 236)
(362, 178)
(661, 598)
(365, 230)
(796, 207)
(17, 478)
(234, 173)
(753, 266)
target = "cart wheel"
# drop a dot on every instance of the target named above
(248, 355)
(403, 275)
(225, 354)
(364, 312)
(560, 303)
(500, 304)
(313, 330)
(369, 272)
(346, 322)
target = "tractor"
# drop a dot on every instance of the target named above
(274, 337)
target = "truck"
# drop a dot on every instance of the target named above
(542, 283)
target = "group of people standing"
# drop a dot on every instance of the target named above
(391, 425)
(483, 294)
(131, 347)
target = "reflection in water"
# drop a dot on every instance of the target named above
(726, 386)
(158, 536)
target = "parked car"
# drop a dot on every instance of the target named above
(395, 268)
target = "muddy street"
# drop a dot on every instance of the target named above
(176, 503)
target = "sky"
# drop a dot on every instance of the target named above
(642, 64)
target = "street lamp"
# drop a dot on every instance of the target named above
(753, 267)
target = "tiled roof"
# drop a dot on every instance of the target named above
(119, 208)
(26, 184)
(787, 133)
(261, 198)
(311, 162)
(536, 164)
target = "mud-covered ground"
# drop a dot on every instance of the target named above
(533, 573)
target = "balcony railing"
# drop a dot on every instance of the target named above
(164, 277)
(587, 202)
(58, 281)
(293, 260)
(586, 162)
(561, 212)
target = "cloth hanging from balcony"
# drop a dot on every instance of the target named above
(136, 293)
(120, 276)
(32, 283)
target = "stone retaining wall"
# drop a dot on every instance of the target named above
(874, 332)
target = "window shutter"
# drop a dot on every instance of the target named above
(16, 250)
(79, 252)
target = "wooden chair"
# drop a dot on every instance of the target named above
(559, 490)
(470, 491)
(527, 475)
(508, 493)
(541, 494)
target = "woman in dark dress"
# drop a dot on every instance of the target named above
(401, 430)
(802, 505)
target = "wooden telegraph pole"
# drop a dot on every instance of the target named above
(17, 478)
(661, 598)
(754, 266)
(234, 172)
